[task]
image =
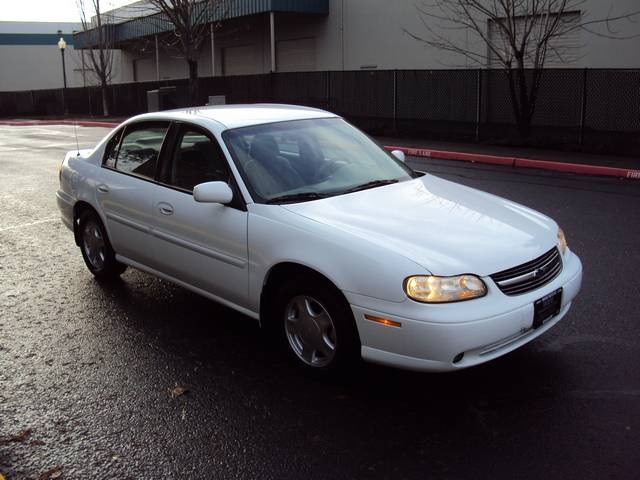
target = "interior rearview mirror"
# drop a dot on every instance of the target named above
(399, 154)
(213, 192)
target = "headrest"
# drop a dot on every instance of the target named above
(263, 146)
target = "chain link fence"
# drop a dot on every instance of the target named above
(596, 110)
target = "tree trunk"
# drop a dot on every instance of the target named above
(520, 101)
(105, 100)
(193, 82)
(524, 120)
(524, 126)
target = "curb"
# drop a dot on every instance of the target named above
(521, 162)
(37, 123)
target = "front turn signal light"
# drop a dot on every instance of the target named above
(562, 241)
(433, 289)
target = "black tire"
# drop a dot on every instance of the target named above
(96, 248)
(342, 332)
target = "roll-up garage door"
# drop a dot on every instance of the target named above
(296, 55)
(244, 60)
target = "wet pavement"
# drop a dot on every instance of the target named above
(88, 371)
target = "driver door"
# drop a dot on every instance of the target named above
(202, 244)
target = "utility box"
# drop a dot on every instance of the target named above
(161, 99)
(217, 100)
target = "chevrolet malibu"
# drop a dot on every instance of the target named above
(295, 218)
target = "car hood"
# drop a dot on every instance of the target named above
(447, 228)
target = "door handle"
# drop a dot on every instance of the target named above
(103, 188)
(165, 208)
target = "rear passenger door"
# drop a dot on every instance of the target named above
(126, 186)
(203, 244)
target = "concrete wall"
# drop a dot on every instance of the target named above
(31, 67)
(27, 66)
(35, 67)
(374, 35)
(601, 52)
(38, 65)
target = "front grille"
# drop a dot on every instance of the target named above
(531, 275)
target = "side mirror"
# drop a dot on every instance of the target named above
(399, 154)
(213, 192)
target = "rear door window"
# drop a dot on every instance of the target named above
(140, 148)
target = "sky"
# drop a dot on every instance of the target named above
(48, 10)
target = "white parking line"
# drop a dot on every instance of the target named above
(24, 225)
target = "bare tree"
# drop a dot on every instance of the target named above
(517, 36)
(192, 25)
(101, 53)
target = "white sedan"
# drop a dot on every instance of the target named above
(295, 218)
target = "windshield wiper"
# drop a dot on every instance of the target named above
(297, 197)
(372, 184)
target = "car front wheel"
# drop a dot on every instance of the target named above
(318, 326)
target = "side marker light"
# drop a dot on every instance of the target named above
(383, 321)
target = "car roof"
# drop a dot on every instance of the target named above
(234, 116)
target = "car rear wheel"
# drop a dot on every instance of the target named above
(96, 248)
(318, 326)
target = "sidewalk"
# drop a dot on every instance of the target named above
(575, 162)
(108, 122)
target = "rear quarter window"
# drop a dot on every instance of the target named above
(111, 150)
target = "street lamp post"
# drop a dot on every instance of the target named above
(62, 45)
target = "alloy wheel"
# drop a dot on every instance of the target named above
(310, 331)
(93, 244)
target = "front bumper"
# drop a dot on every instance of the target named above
(431, 336)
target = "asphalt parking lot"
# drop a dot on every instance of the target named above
(87, 370)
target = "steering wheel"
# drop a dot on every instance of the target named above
(329, 169)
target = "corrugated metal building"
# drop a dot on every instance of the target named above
(259, 36)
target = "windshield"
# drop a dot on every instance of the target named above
(309, 159)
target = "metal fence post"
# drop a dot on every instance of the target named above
(395, 102)
(328, 80)
(478, 102)
(583, 108)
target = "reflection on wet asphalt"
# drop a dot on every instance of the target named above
(87, 370)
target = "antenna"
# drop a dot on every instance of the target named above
(75, 131)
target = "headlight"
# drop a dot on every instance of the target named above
(562, 241)
(432, 289)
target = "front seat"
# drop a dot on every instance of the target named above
(264, 150)
(310, 161)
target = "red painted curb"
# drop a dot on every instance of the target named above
(36, 123)
(96, 124)
(521, 162)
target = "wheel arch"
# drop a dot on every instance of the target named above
(284, 271)
(79, 208)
